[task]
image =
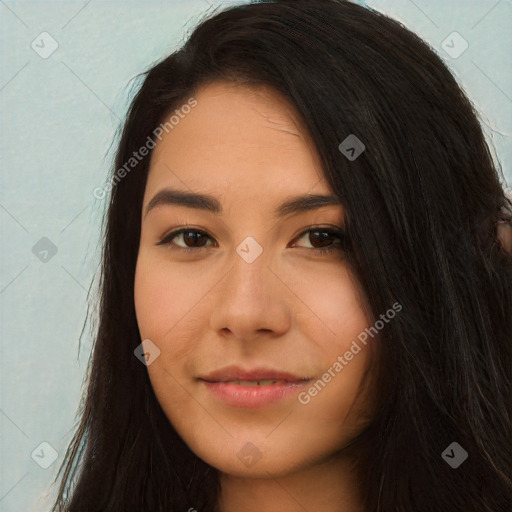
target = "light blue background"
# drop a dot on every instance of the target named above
(58, 119)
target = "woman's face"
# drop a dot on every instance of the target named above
(246, 294)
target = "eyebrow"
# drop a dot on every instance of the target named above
(297, 204)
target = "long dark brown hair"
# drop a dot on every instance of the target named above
(421, 205)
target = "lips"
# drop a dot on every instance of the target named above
(239, 375)
(258, 387)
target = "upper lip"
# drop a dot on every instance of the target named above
(236, 373)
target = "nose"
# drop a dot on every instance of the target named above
(251, 301)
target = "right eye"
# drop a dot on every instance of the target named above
(188, 236)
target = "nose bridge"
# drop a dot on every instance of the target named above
(249, 280)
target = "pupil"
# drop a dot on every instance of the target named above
(195, 238)
(323, 237)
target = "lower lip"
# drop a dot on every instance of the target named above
(253, 396)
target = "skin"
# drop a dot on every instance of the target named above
(291, 309)
(504, 234)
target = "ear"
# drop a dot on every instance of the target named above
(504, 235)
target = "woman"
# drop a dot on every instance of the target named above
(306, 298)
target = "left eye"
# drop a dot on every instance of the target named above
(193, 239)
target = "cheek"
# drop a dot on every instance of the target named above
(330, 305)
(170, 311)
(162, 297)
(164, 293)
(335, 321)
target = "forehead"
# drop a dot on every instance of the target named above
(250, 139)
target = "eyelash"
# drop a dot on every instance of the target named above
(340, 234)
